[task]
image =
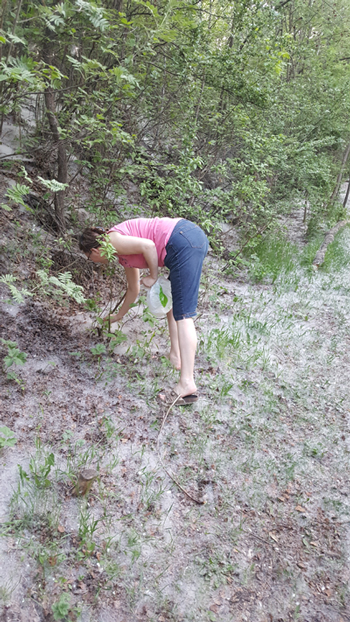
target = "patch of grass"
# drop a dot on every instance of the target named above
(338, 252)
(6, 590)
(336, 212)
(272, 256)
(275, 258)
(308, 253)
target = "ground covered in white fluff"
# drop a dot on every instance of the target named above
(264, 454)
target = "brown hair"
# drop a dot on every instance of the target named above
(89, 239)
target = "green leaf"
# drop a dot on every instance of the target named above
(117, 338)
(53, 184)
(17, 192)
(162, 297)
(99, 349)
(15, 357)
(7, 437)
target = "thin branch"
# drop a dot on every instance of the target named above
(161, 460)
(280, 6)
(245, 244)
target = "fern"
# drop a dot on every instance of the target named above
(19, 70)
(17, 192)
(62, 8)
(17, 295)
(64, 283)
(53, 184)
(48, 285)
(94, 13)
(76, 63)
(25, 175)
(15, 39)
(54, 21)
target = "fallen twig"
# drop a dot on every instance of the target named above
(162, 463)
(329, 237)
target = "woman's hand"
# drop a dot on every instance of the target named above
(148, 281)
(113, 318)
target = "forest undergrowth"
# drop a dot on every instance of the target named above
(264, 453)
(233, 115)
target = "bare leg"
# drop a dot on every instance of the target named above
(174, 355)
(187, 340)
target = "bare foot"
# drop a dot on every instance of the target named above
(174, 360)
(185, 389)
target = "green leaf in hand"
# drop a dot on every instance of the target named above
(162, 297)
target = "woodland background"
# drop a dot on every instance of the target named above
(234, 115)
(216, 111)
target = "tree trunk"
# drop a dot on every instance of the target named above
(340, 176)
(14, 28)
(346, 195)
(4, 7)
(329, 238)
(62, 173)
(203, 79)
(11, 44)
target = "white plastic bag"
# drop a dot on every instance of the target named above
(159, 299)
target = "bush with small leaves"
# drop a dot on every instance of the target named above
(7, 437)
(60, 608)
(14, 355)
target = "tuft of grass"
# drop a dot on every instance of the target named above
(272, 256)
(6, 590)
(309, 251)
(338, 252)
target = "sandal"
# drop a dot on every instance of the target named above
(186, 400)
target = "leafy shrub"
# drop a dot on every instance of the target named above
(7, 437)
(14, 355)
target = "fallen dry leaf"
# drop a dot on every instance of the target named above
(300, 509)
(217, 601)
(273, 537)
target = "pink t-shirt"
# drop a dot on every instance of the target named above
(158, 230)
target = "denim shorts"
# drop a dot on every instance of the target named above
(185, 253)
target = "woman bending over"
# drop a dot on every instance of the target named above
(181, 246)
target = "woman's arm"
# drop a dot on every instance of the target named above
(129, 245)
(133, 280)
